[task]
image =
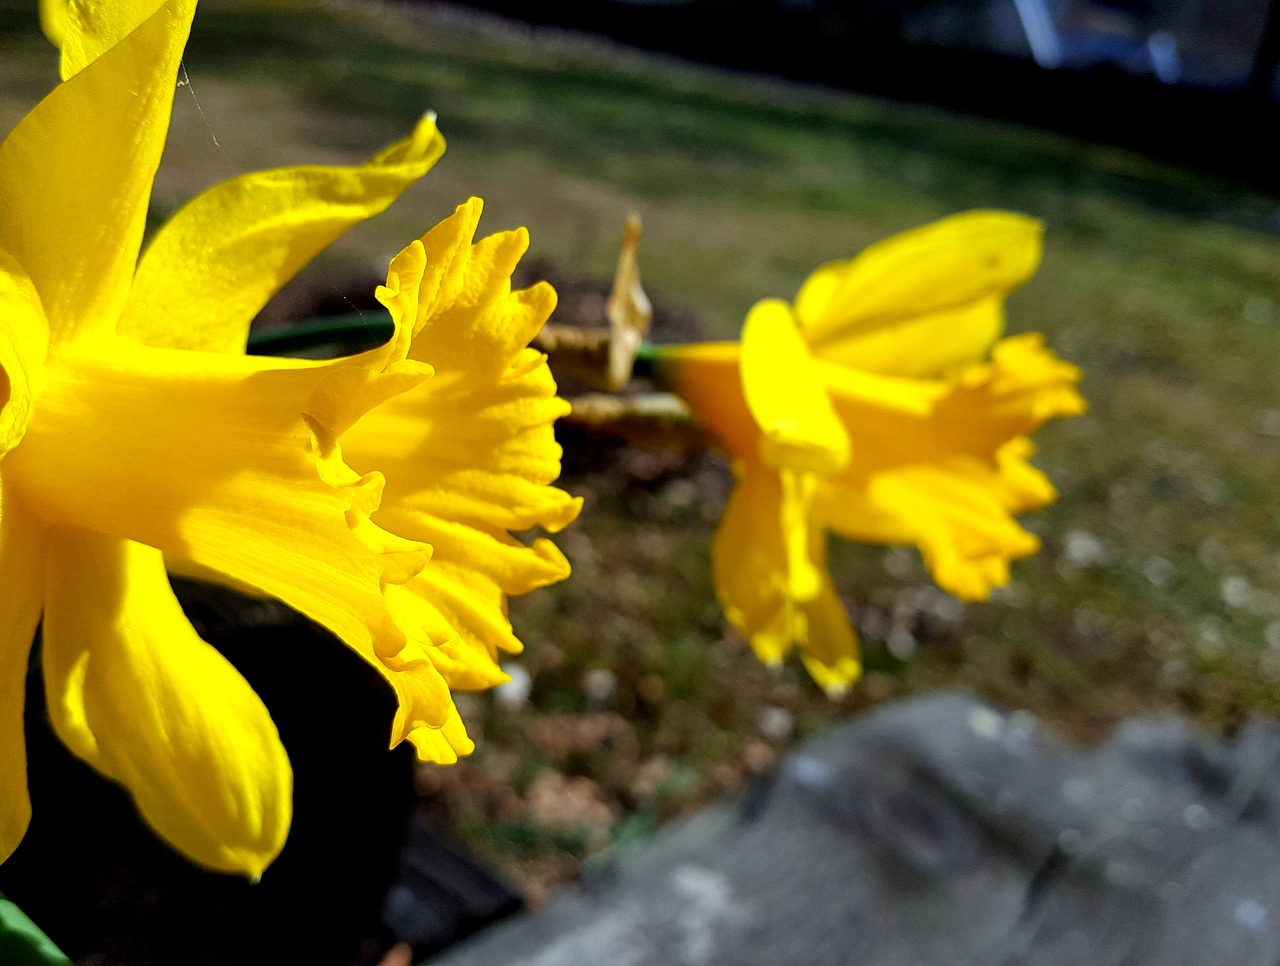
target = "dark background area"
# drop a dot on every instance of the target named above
(1214, 110)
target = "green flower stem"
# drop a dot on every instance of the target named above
(651, 419)
(582, 353)
(353, 332)
(22, 943)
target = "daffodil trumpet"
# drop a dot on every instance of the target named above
(882, 405)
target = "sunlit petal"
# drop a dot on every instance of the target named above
(22, 598)
(53, 20)
(259, 230)
(76, 174)
(931, 296)
(86, 29)
(786, 396)
(829, 647)
(137, 694)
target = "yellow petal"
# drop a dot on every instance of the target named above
(257, 231)
(466, 319)
(830, 648)
(53, 20)
(786, 394)
(22, 577)
(961, 522)
(470, 454)
(76, 173)
(86, 29)
(24, 341)
(443, 745)
(707, 377)
(922, 301)
(766, 535)
(137, 694)
(901, 422)
(761, 560)
(472, 572)
(947, 467)
(848, 511)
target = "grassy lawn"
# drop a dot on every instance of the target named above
(1159, 583)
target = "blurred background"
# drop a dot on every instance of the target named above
(758, 140)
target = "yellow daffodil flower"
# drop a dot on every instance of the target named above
(883, 406)
(133, 428)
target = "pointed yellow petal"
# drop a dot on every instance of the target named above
(922, 301)
(86, 29)
(755, 556)
(137, 694)
(76, 173)
(786, 395)
(751, 563)
(443, 745)
(926, 346)
(53, 20)
(258, 230)
(830, 649)
(22, 580)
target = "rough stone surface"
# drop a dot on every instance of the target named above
(942, 831)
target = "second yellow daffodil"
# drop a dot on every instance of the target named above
(881, 405)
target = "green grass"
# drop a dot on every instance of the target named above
(1163, 286)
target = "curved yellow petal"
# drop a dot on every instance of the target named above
(786, 394)
(923, 300)
(76, 174)
(86, 29)
(213, 266)
(472, 572)
(766, 559)
(708, 377)
(53, 20)
(443, 745)
(830, 646)
(926, 346)
(137, 694)
(974, 413)
(22, 598)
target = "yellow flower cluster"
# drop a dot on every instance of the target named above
(883, 406)
(376, 494)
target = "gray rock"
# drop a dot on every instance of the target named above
(941, 831)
